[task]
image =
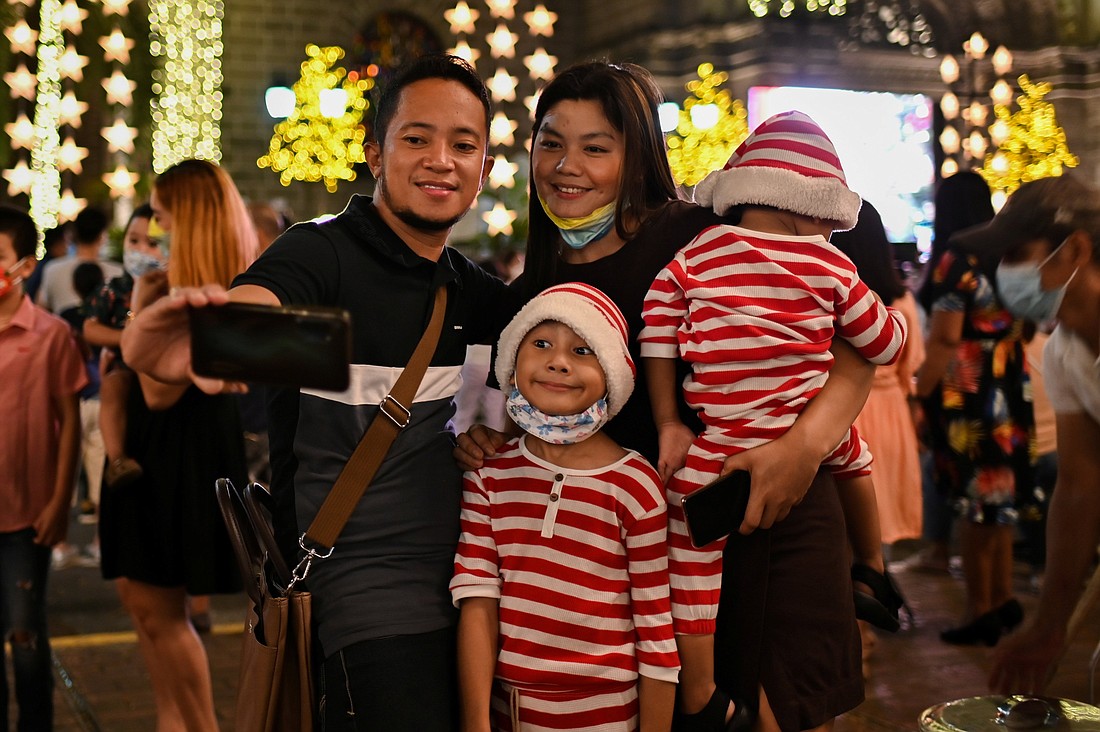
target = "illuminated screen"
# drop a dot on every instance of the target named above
(884, 142)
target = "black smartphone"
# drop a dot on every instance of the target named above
(307, 347)
(717, 509)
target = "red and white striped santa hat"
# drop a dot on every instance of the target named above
(789, 163)
(594, 317)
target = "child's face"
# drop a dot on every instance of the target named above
(12, 267)
(556, 370)
(137, 238)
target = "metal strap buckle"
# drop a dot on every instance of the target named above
(301, 571)
(404, 412)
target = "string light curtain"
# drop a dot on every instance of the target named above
(119, 135)
(22, 88)
(70, 156)
(46, 179)
(187, 105)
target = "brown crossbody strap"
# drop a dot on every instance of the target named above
(393, 416)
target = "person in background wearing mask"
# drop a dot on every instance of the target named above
(144, 261)
(1049, 236)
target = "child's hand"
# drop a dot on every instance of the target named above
(674, 440)
(476, 444)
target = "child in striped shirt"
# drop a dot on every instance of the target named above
(561, 572)
(754, 308)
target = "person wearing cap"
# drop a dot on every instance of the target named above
(561, 572)
(753, 309)
(975, 387)
(1047, 238)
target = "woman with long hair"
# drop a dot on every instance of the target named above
(604, 211)
(162, 536)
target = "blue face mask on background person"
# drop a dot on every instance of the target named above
(564, 429)
(1021, 290)
(139, 263)
(580, 231)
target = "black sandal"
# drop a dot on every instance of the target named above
(712, 717)
(880, 608)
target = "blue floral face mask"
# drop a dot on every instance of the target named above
(565, 429)
(139, 263)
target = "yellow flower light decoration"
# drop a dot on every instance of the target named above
(694, 150)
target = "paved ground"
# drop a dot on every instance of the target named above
(103, 684)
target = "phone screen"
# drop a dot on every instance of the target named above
(303, 347)
(717, 509)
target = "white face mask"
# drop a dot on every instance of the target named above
(1020, 289)
(565, 429)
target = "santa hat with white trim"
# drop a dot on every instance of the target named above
(789, 163)
(594, 317)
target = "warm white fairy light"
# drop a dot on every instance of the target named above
(531, 102)
(72, 17)
(22, 38)
(46, 187)
(187, 106)
(116, 7)
(464, 51)
(502, 130)
(71, 157)
(121, 182)
(541, 64)
(71, 110)
(541, 21)
(503, 174)
(20, 132)
(117, 46)
(502, 42)
(503, 86)
(502, 8)
(72, 64)
(120, 137)
(19, 178)
(120, 90)
(68, 206)
(21, 83)
(461, 17)
(499, 219)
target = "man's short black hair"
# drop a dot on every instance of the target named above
(90, 225)
(87, 279)
(430, 66)
(19, 225)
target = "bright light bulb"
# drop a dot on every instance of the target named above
(704, 116)
(977, 46)
(949, 140)
(334, 102)
(976, 144)
(978, 113)
(1002, 61)
(949, 69)
(1001, 93)
(949, 168)
(950, 106)
(669, 115)
(998, 132)
(279, 101)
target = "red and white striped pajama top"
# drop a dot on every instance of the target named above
(578, 561)
(754, 314)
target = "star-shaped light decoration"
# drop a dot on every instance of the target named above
(503, 173)
(71, 64)
(22, 38)
(503, 86)
(499, 220)
(502, 130)
(116, 7)
(531, 102)
(502, 42)
(72, 17)
(21, 132)
(117, 47)
(120, 90)
(461, 17)
(464, 51)
(502, 8)
(541, 64)
(28, 3)
(68, 206)
(541, 21)
(71, 157)
(21, 83)
(121, 182)
(19, 178)
(71, 110)
(120, 137)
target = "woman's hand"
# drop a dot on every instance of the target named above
(782, 471)
(476, 444)
(674, 440)
(148, 288)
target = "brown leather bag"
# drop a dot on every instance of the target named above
(275, 685)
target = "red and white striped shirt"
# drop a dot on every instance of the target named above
(578, 560)
(754, 314)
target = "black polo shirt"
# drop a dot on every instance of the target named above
(394, 559)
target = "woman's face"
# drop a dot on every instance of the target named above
(577, 159)
(137, 238)
(163, 216)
